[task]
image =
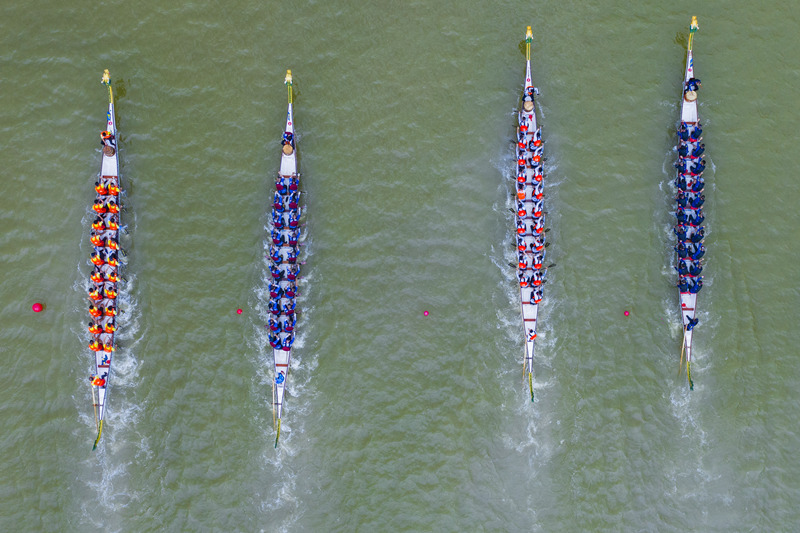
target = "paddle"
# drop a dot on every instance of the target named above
(683, 348)
(278, 435)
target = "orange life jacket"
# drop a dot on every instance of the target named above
(95, 346)
(108, 348)
(112, 207)
(101, 189)
(95, 295)
(111, 311)
(110, 293)
(537, 142)
(100, 208)
(520, 230)
(112, 277)
(113, 190)
(110, 328)
(113, 262)
(94, 311)
(97, 260)
(523, 283)
(521, 213)
(111, 244)
(98, 382)
(96, 240)
(98, 226)
(538, 177)
(97, 277)
(94, 329)
(113, 225)
(536, 159)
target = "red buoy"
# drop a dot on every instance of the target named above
(37, 307)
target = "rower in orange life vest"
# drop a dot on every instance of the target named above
(97, 276)
(95, 329)
(99, 206)
(100, 188)
(110, 293)
(95, 295)
(112, 221)
(99, 381)
(537, 277)
(112, 207)
(110, 310)
(112, 260)
(109, 327)
(113, 277)
(107, 139)
(537, 295)
(95, 346)
(98, 224)
(95, 311)
(96, 240)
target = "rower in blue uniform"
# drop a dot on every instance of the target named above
(280, 186)
(698, 150)
(293, 236)
(294, 183)
(693, 84)
(695, 134)
(290, 290)
(698, 185)
(683, 150)
(697, 201)
(274, 341)
(683, 285)
(286, 343)
(696, 268)
(681, 199)
(699, 167)
(291, 272)
(277, 274)
(699, 253)
(698, 234)
(273, 325)
(274, 306)
(293, 199)
(289, 326)
(681, 216)
(275, 253)
(681, 268)
(697, 285)
(683, 132)
(692, 322)
(680, 231)
(697, 219)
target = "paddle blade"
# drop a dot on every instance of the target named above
(278, 435)
(99, 432)
(530, 383)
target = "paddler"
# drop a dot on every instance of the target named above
(697, 219)
(289, 326)
(696, 286)
(293, 199)
(95, 329)
(698, 150)
(691, 323)
(697, 201)
(698, 235)
(681, 268)
(286, 343)
(683, 285)
(100, 188)
(699, 253)
(693, 84)
(294, 183)
(696, 268)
